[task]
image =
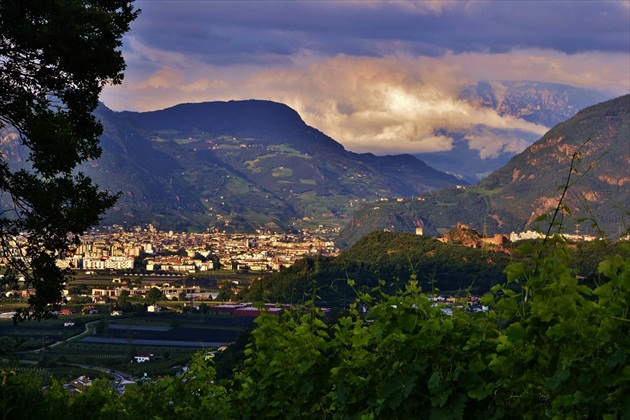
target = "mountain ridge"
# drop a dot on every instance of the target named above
(242, 165)
(249, 165)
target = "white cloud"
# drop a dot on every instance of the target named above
(491, 144)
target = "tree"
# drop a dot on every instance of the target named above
(154, 294)
(182, 295)
(55, 58)
(123, 299)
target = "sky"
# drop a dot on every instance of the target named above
(378, 76)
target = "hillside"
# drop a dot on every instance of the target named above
(388, 260)
(241, 166)
(390, 257)
(512, 197)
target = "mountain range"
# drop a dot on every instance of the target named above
(589, 153)
(242, 166)
(248, 165)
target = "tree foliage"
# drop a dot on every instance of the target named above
(154, 294)
(55, 58)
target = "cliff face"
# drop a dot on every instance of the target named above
(541, 103)
(593, 148)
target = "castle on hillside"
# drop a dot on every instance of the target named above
(464, 235)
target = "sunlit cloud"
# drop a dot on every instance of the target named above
(161, 79)
(490, 144)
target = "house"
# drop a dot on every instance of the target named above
(78, 385)
(153, 308)
(91, 310)
(143, 357)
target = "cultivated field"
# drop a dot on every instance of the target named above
(108, 342)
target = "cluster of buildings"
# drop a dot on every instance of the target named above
(471, 237)
(168, 291)
(148, 249)
(530, 234)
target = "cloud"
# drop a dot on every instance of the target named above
(245, 32)
(492, 143)
(161, 79)
(379, 76)
(383, 105)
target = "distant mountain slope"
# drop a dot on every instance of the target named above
(267, 121)
(546, 104)
(532, 178)
(512, 197)
(242, 165)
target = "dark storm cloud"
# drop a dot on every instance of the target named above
(266, 31)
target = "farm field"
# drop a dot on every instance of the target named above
(112, 342)
(209, 281)
(35, 335)
(172, 330)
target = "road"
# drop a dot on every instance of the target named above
(121, 379)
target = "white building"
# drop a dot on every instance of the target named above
(114, 263)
